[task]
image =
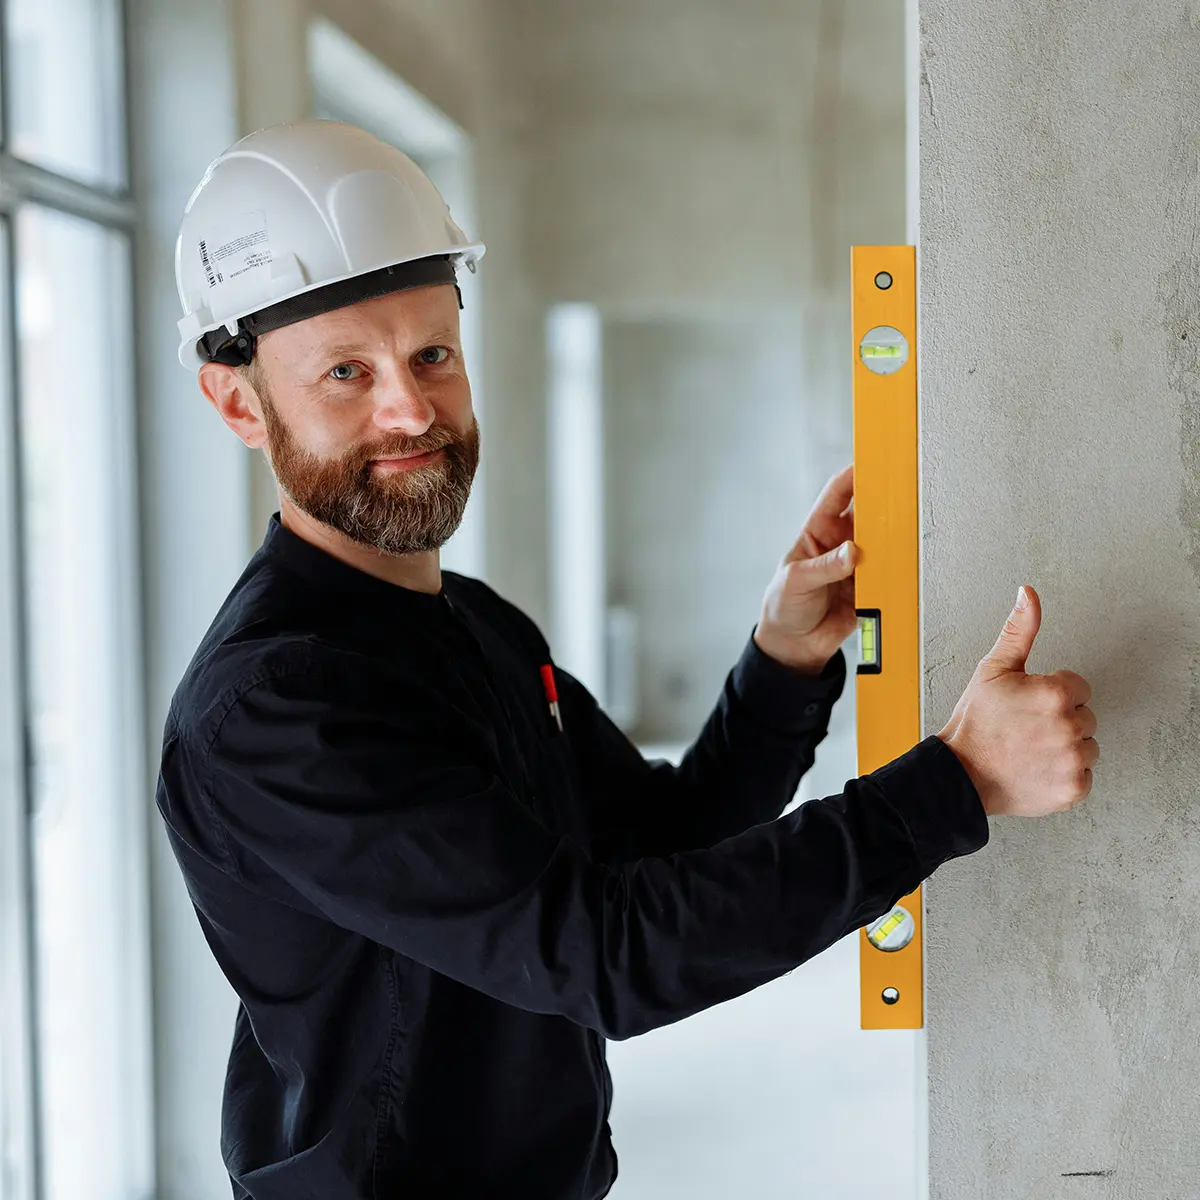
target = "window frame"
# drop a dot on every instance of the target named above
(22, 184)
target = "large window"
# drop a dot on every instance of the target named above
(74, 1036)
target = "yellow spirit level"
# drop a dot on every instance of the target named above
(884, 320)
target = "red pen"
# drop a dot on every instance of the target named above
(551, 689)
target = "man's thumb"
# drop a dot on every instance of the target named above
(814, 573)
(1016, 638)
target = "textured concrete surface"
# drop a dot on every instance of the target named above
(1060, 324)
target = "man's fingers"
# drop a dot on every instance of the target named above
(809, 574)
(829, 523)
(1078, 690)
(837, 493)
(1086, 722)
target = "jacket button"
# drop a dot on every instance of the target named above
(810, 710)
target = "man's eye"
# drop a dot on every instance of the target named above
(433, 356)
(346, 372)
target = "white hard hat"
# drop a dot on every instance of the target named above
(300, 219)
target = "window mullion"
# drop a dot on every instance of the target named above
(18, 1139)
(22, 181)
(5, 129)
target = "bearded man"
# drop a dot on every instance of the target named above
(436, 875)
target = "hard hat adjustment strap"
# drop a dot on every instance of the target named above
(238, 351)
(234, 352)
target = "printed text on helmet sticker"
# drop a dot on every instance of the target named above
(236, 247)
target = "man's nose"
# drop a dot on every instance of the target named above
(401, 404)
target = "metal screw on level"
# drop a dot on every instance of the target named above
(883, 281)
(890, 995)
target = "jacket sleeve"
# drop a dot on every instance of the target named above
(354, 795)
(742, 770)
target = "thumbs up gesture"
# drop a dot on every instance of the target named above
(1027, 741)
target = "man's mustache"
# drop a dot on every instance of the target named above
(403, 446)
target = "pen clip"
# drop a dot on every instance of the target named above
(550, 687)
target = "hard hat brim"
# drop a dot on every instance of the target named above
(329, 295)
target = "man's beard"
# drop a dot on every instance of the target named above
(400, 512)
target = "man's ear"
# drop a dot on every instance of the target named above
(232, 395)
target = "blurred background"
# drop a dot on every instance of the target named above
(658, 343)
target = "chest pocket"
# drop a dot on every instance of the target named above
(534, 754)
(556, 782)
(534, 757)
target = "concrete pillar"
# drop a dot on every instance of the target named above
(1060, 326)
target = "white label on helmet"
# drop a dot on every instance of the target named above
(235, 248)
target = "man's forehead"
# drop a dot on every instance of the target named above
(414, 309)
(421, 316)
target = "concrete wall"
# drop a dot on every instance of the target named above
(1060, 193)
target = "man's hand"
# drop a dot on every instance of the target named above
(808, 611)
(1027, 741)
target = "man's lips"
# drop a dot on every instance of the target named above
(409, 462)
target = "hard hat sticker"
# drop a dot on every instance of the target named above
(235, 248)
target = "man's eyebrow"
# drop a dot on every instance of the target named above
(441, 335)
(342, 350)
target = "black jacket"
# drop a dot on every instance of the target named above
(434, 906)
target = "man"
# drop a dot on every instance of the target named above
(436, 875)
